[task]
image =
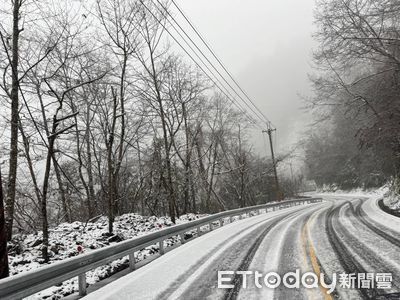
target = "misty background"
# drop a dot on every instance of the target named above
(267, 46)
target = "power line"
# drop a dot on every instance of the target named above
(185, 50)
(208, 60)
(202, 61)
(268, 122)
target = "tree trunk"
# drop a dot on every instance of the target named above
(89, 163)
(210, 184)
(241, 170)
(12, 174)
(142, 207)
(186, 193)
(170, 188)
(30, 164)
(43, 207)
(80, 162)
(61, 191)
(192, 191)
(4, 270)
(202, 169)
(110, 164)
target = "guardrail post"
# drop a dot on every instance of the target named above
(82, 284)
(240, 217)
(162, 251)
(182, 235)
(221, 222)
(198, 231)
(230, 219)
(132, 261)
(211, 227)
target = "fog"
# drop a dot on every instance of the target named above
(267, 46)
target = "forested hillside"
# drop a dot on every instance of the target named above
(102, 115)
(356, 142)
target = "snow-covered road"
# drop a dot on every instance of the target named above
(342, 235)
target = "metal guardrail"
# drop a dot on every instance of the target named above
(28, 283)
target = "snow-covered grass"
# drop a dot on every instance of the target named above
(71, 239)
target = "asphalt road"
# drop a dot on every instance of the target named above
(332, 238)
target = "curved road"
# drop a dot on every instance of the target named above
(334, 238)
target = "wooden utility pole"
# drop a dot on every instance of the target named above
(278, 190)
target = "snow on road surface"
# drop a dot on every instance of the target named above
(181, 267)
(342, 235)
(373, 211)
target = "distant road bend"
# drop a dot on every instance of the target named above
(342, 236)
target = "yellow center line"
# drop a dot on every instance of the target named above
(305, 261)
(308, 245)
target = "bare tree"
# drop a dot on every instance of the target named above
(14, 97)
(155, 63)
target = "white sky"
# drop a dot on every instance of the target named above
(267, 46)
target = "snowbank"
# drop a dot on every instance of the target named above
(71, 239)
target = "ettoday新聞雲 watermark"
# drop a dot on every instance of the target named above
(309, 280)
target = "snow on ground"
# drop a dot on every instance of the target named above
(390, 199)
(372, 209)
(371, 206)
(359, 192)
(71, 239)
(153, 279)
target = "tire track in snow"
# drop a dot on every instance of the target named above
(232, 294)
(183, 284)
(365, 220)
(344, 255)
(269, 257)
(189, 289)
